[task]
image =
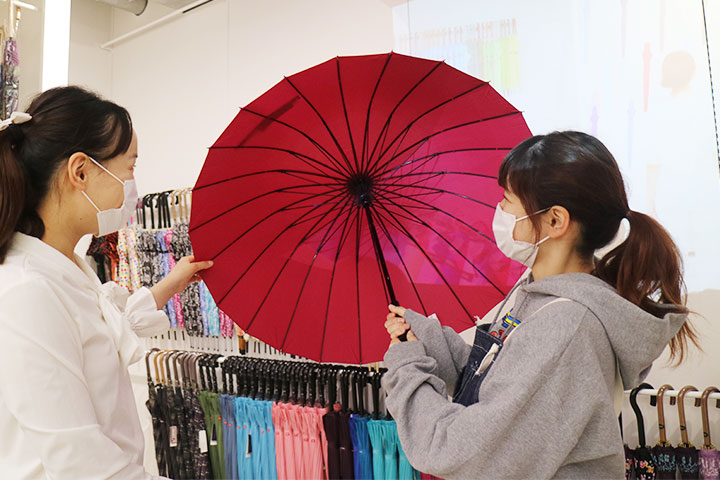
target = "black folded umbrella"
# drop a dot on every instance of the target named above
(643, 466)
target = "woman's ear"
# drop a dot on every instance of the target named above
(77, 170)
(557, 221)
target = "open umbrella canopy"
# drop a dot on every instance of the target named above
(358, 182)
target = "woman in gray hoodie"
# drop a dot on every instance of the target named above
(536, 394)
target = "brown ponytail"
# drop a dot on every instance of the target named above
(646, 269)
(576, 171)
(12, 192)
(65, 120)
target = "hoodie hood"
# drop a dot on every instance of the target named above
(637, 337)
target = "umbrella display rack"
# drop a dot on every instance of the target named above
(674, 453)
(220, 416)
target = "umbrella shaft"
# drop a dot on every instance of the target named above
(380, 256)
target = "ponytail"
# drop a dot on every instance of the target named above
(646, 269)
(12, 192)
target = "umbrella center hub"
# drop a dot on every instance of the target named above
(360, 188)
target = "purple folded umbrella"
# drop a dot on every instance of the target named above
(709, 464)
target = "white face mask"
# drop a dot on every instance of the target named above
(503, 226)
(114, 219)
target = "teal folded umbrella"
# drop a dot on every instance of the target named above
(405, 470)
(375, 432)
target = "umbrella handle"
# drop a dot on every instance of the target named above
(681, 413)
(661, 414)
(638, 412)
(707, 443)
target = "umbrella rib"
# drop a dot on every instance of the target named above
(427, 206)
(343, 238)
(382, 170)
(397, 251)
(292, 173)
(392, 112)
(347, 120)
(322, 119)
(302, 157)
(443, 172)
(322, 149)
(432, 263)
(267, 247)
(423, 223)
(407, 128)
(438, 190)
(326, 237)
(367, 117)
(429, 157)
(257, 197)
(265, 219)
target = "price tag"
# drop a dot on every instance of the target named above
(202, 441)
(173, 436)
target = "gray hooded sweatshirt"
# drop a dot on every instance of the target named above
(545, 408)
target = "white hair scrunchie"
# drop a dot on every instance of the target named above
(16, 118)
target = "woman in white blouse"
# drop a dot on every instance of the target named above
(66, 404)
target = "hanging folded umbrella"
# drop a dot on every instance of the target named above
(359, 182)
(686, 455)
(643, 467)
(210, 403)
(197, 443)
(227, 411)
(709, 457)
(11, 78)
(663, 454)
(359, 433)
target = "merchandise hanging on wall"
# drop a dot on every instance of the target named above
(11, 64)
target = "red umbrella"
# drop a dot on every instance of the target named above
(358, 182)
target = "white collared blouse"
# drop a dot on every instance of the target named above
(67, 409)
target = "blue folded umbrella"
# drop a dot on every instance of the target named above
(361, 447)
(245, 470)
(227, 411)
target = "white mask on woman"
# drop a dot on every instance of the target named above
(503, 226)
(114, 219)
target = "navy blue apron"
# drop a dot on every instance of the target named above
(482, 356)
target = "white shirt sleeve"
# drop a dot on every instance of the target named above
(144, 317)
(43, 385)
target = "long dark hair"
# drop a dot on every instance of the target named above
(65, 120)
(576, 171)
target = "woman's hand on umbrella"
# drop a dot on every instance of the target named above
(396, 325)
(185, 272)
